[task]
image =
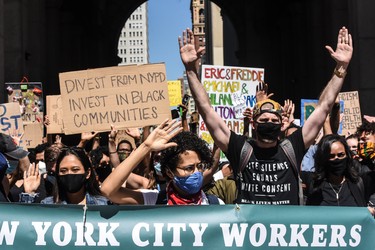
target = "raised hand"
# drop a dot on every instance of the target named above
(133, 132)
(261, 93)
(344, 49)
(287, 114)
(16, 136)
(160, 136)
(31, 178)
(87, 136)
(189, 55)
(113, 133)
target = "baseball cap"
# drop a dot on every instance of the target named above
(269, 106)
(9, 147)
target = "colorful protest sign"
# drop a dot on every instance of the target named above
(10, 118)
(29, 96)
(55, 114)
(351, 118)
(126, 96)
(225, 86)
(307, 107)
(34, 226)
(174, 91)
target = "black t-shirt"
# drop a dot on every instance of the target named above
(269, 177)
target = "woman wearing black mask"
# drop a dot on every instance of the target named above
(76, 183)
(336, 183)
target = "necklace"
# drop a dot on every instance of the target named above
(338, 192)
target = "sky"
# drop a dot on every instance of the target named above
(167, 20)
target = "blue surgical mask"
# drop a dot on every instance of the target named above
(157, 167)
(191, 184)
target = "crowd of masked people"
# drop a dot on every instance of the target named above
(279, 164)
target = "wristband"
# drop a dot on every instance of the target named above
(340, 73)
(113, 152)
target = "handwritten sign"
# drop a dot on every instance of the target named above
(351, 118)
(10, 118)
(127, 96)
(307, 108)
(29, 96)
(33, 135)
(55, 114)
(174, 90)
(225, 85)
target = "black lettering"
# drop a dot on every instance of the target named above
(69, 85)
(154, 112)
(78, 124)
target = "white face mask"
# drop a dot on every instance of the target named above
(42, 167)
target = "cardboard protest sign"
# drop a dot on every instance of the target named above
(308, 106)
(33, 135)
(174, 91)
(351, 118)
(225, 87)
(55, 114)
(29, 96)
(127, 96)
(10, 118)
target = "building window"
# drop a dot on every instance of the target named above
(201, 16)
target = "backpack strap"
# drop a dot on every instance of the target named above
(246, 152)
(212, 199)
(287, 147)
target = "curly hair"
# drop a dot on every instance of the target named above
(91, 184)
(170, 157)
(366, 127)
(322, 157)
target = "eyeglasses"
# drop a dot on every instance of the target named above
(191, 168)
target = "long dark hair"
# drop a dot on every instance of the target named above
(91, 184)
(322, 157)
(170, 157)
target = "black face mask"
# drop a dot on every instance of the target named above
(72, 183)
(337, 167)
(268, 131)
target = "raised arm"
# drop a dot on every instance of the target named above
(342, 56)
(156, 141)
(215, 124)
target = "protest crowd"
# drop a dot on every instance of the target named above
(281, 163)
